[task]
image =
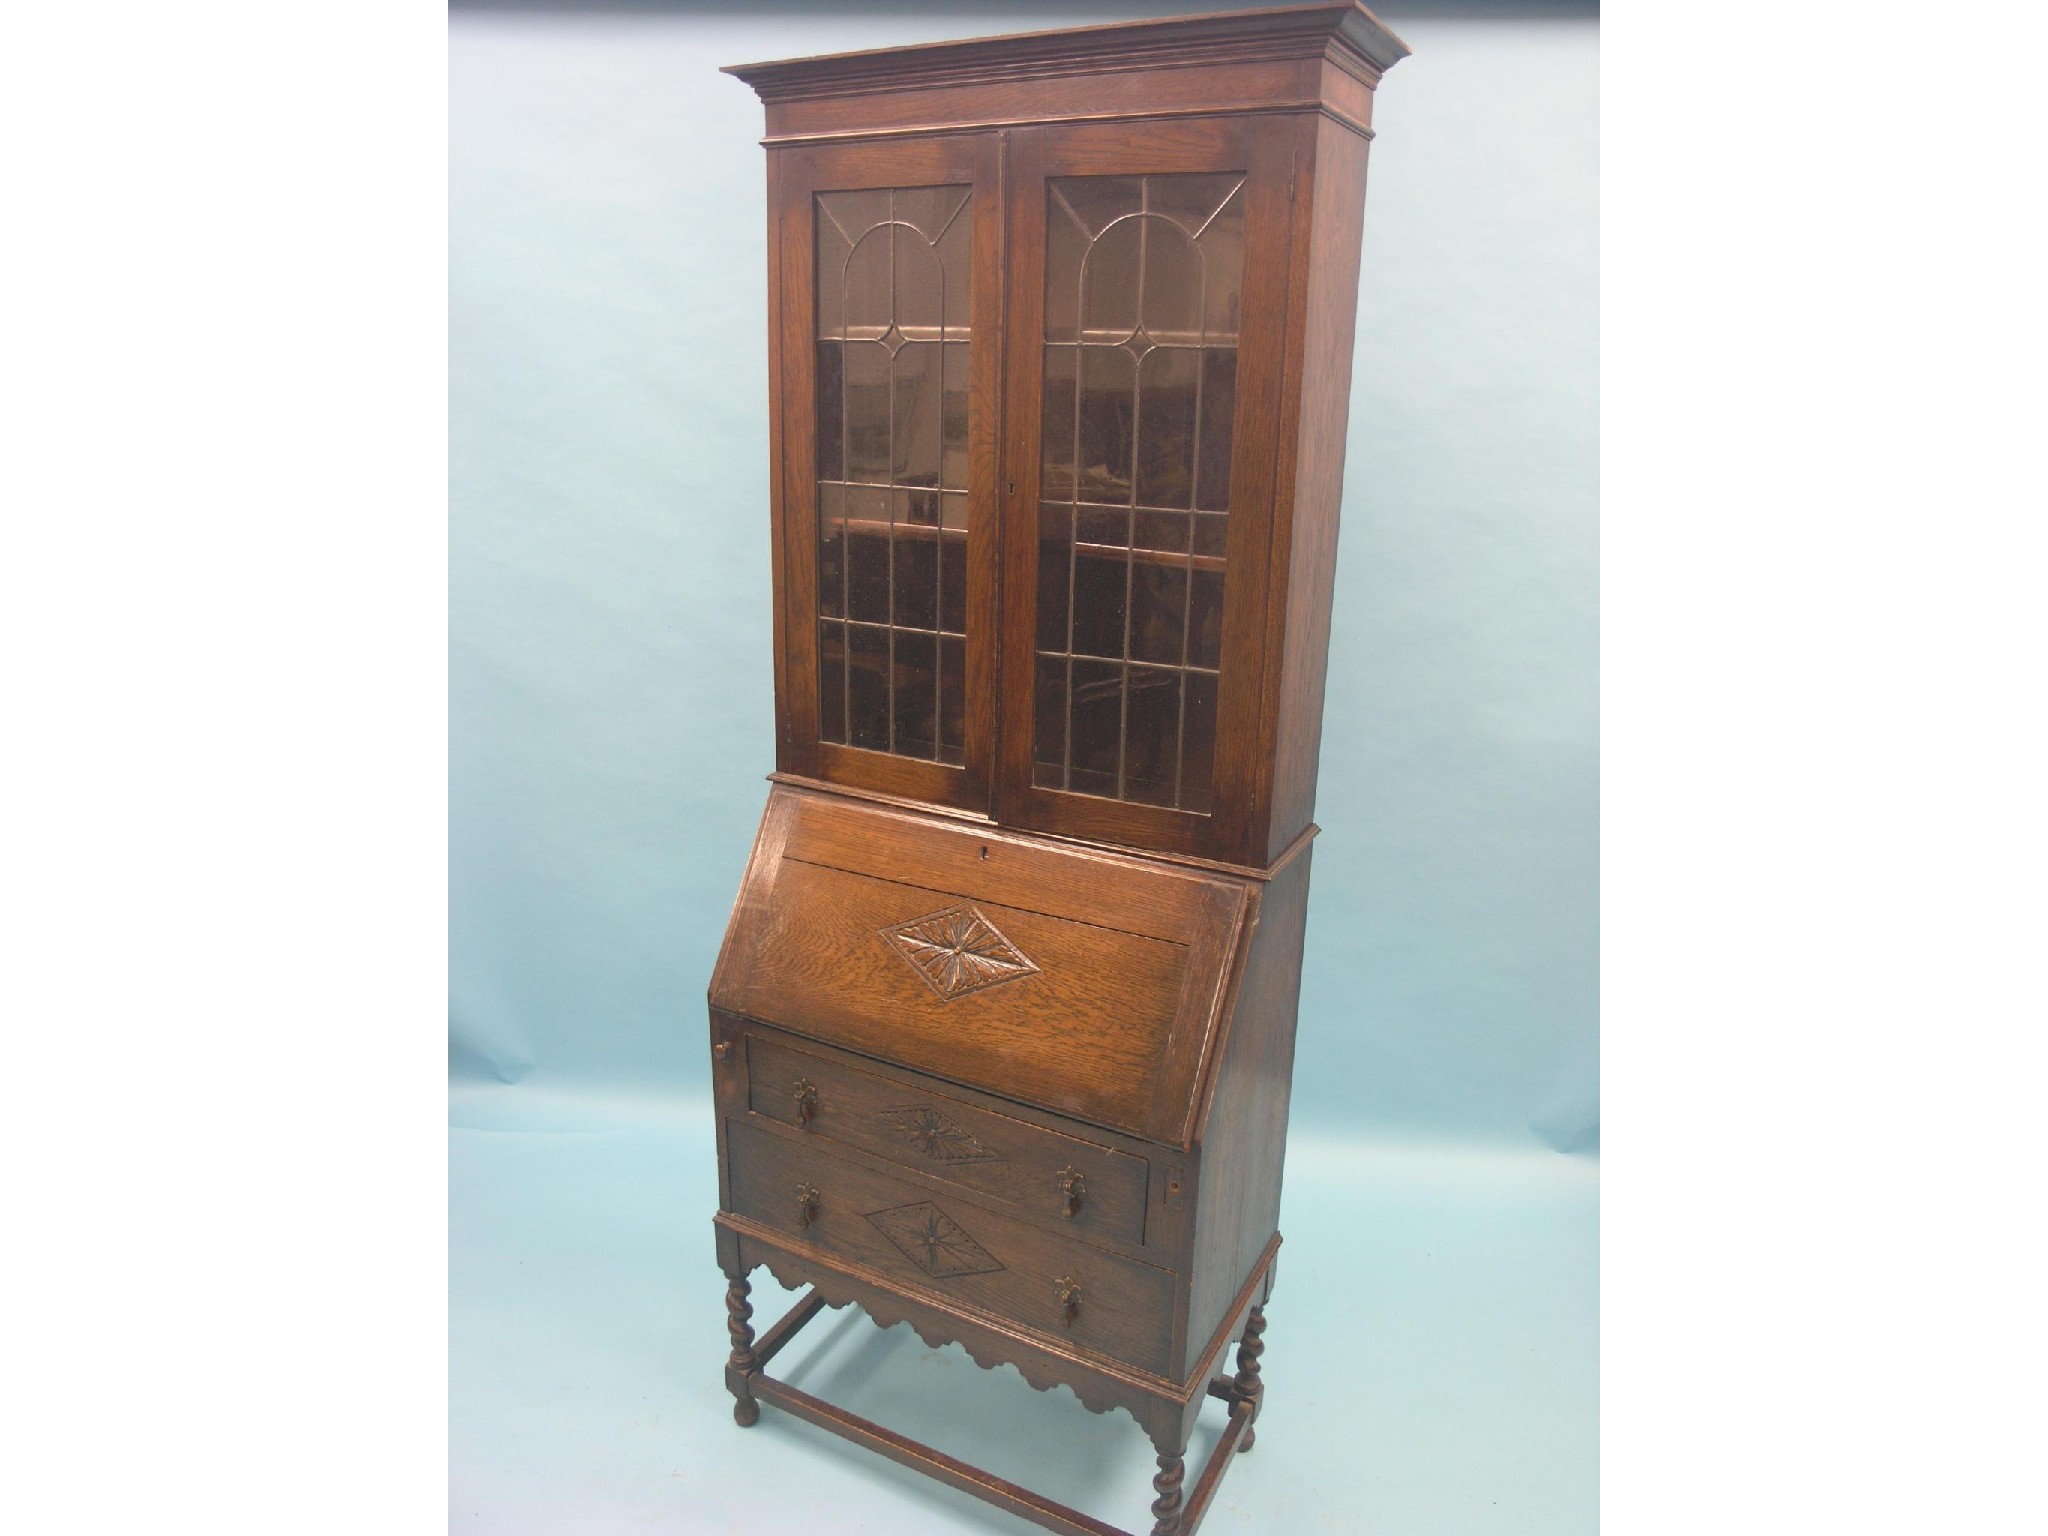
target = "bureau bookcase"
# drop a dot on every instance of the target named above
(1002, 1028)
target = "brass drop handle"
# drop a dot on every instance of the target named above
(1067, 1290)
(805, 1093)
(1072, 1188)
(806, 1205)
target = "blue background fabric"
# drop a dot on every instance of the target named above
(1432, 1350)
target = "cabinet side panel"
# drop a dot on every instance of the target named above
(1237, 1199)
(786, 757)
(1295, 708)
(796, 667)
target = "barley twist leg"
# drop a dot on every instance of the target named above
(1166, 1508)
(1247, 1382)
(739, 1369)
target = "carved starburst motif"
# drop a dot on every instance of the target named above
(935, 1134)
(958, 951)
(933, 1241)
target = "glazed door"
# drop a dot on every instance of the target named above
(1148, 292)
(886, 317)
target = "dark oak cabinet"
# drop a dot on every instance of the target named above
(1060, 345)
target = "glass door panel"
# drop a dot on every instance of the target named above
(894, 354)
(889, 303)
(1143, 288)
(1147, 312)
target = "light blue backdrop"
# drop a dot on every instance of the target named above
(610, 585)
(1432, 1362)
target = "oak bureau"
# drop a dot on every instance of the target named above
(1060, 338)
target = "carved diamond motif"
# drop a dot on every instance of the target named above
(958, 951)
(933, 1241)
(937, 1137)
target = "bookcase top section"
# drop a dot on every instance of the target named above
(1347, 35)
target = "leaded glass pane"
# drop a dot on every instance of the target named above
(1144, 280)
(867, 684)
(952, 700)
(894, 348)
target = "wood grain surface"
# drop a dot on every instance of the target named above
(1124, 1308)
(1112, 1027)
(994, 1156)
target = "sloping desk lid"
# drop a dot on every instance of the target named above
(1078, 980)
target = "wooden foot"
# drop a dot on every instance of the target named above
(740, 1366)
(1166, 1508)
(1249, 1387)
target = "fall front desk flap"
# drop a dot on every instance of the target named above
(1077, 980)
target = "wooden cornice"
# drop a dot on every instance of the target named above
(1347, 35)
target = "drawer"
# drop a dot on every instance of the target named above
(993, 1155)
(951, 1248)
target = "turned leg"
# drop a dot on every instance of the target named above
(739, 1369)
(1166, 1508)
(1247, 1381)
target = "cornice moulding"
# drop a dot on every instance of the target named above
(1347, 35)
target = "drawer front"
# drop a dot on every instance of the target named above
(952, 1248)
(1099, 1191)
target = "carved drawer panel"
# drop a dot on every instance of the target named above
(1098, 1191)
(963, 1250)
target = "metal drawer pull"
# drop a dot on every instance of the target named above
(805, 1093)
(1072, 1188)
(806, 1205)
(1068, 1292)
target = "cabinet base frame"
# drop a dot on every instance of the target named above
(754, 1384)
